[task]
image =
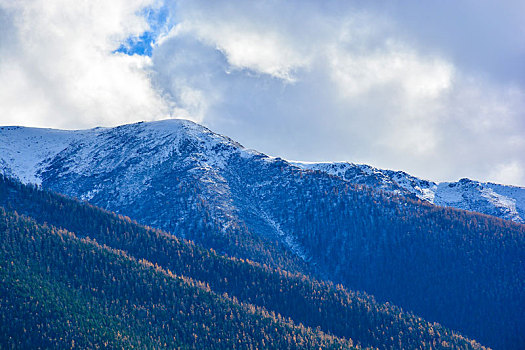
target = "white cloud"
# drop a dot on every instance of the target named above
(508, 173)
(59, 68)
(251, 36)
(417, 77)
(308, 80)
(262, 52)
(360, 93)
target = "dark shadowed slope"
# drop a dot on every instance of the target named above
(315, 304)
(59, 291)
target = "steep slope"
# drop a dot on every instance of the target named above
(306, 301)
(506, 202)
(26, 151)
(167, 174)
(58, 291)
(181, 177)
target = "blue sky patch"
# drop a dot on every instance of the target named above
(143, 44)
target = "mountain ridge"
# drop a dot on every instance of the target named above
(504, 201)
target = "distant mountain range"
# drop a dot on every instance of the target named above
(504, 201)
(368, 229)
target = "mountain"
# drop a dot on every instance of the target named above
(460, 268)
(28, 153)
(506, 202)
(147, 288)
(165, 174)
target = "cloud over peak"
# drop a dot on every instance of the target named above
(394, 85)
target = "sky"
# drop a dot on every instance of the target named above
(434, 88)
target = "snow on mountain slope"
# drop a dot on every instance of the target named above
(33, 154)
(171, 174)
(507, 202)
(25, 151)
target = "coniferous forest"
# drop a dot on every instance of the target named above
(74, 275)
(59, 291)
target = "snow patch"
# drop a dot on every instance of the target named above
(288, 239)
(507, 202)
(25, 151)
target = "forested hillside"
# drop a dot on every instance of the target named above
(331, 309)
(59, 291)
(463, 269)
